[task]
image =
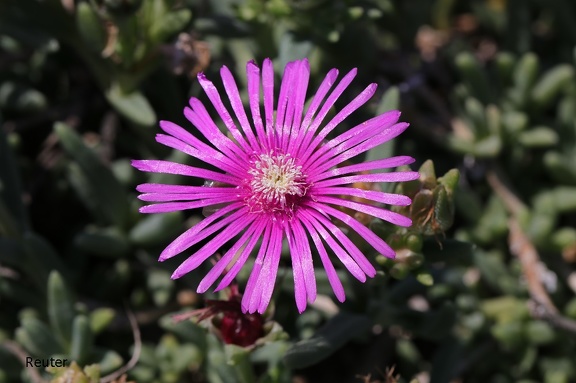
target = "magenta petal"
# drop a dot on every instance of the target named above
(376, 242)
(178, 206)
(231, 274)
(206, 194)
(391, 162)
(174, 189)
(203, 229)
(356, 254)
(319, 97)
(212, 246)
(158, 166)
(250, 235)
(376, 196)
(214, 97)
(330, 101)
(306, 260)
(234, 97)
(255, 274)
(299, 283)
(386, 215)
(253, 75)
(342, 254)
(267, 279)
(360, 133)
(333, 279)
(377, 177)
(326, 162)
(360, 100)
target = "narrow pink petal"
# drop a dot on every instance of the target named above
(306, 259)
(371, 127)
(342, 254)
(336, 93)
(159, 166)
(237, 105)
(376, 242)
(376, 177)
(253, 76)
(387, 198)
(316, 101)
(354, 136)
(268, 87)
(326, 262)
(355, 146)
(255, 273)
(252, 231)
(285, 91)
(198, 115)
(391, 162)
(207, 193)
(203, 229)
(303, 76)
(239, 263)
(212, 246)
(267, 279)
(174, 189)
(207, 151)
(358, 101)
(176, 206)
(228, 166)
(386, 215)
(356, 254)
(272, 271)
(214, 97)
(319, 97)
(299, 282)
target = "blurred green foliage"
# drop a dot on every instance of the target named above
(489, 87)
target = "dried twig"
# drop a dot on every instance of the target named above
(135, 355)
(19, 353)
(521, 246)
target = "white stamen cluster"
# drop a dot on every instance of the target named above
(274, 177)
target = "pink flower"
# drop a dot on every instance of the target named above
(278, 179)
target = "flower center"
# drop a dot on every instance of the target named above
(276, 183)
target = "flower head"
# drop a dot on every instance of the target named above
(280, 178)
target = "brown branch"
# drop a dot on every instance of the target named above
(521, 246)
(135, 355)
(19, 353)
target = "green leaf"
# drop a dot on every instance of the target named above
(82, 337)
(108, 360)
(108, 242)
(100, 319)
(551, 84)
(474, 76)
(160, 285)
(239, 358)
(101, 187)
(156, 229)
(133, 106)
(60, 308)
(90, 27)
(169, 24)
(40, 259)
(488, 147)
(217, 368)
(524, 77)
(13, 218)
(338, 331)
(37, 338)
